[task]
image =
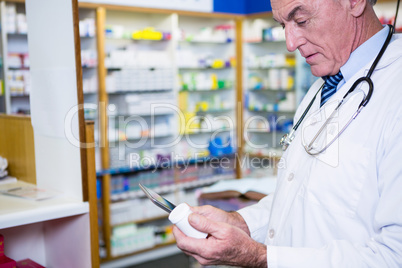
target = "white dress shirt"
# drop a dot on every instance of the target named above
(342, 208)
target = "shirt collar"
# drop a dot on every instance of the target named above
(364, 54)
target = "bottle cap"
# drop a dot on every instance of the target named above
(179, 217)
(179, 212)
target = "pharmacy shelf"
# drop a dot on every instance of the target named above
(276, 157)
(214, 111)
(12, 43)
(202, 131)
(19, 95)
(142, 115)
(134, 40)
(87, 37)
(18, 68)
(263, 42)
(145, 220)
(264, 131)
(134, 67)
(270, 67)
(271, 90)
(16, 211)
(265, 56)
(160, 246)
(204, 68)
(122, 92)
(133, 259)
(164, 189)
(205, 90)
(168, 164)
(86, 67)
(206, 42)
(17, 35)
(140, 138)
(270, 111)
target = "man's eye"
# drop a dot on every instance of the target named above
(301, 22)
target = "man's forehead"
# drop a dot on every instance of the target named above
(279, 4)
(287, 9)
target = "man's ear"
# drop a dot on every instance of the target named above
(357, 7)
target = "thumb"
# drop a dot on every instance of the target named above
(203, 224)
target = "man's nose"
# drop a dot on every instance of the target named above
(293, 38)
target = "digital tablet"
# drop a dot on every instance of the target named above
(157, 199)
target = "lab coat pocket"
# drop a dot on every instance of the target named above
(338, 189)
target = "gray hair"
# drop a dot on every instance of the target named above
(372, 2)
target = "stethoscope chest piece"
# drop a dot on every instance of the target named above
(287, 139)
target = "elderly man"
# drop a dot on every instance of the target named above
(338, 198)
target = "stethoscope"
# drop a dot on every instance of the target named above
(288, 138)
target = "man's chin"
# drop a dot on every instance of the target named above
(319, 71)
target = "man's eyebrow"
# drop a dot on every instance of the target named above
(292, 13)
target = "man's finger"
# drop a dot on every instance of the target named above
(187, 244)
(203, 210)
(203, 224)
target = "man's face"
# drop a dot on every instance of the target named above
(322, 30)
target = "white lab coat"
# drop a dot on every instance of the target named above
(343, 208)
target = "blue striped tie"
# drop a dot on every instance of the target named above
(331, 82)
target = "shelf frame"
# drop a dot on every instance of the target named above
(239, 95)
(161, 11)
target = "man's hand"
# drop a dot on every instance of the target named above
(225, 245)
(218, 215)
